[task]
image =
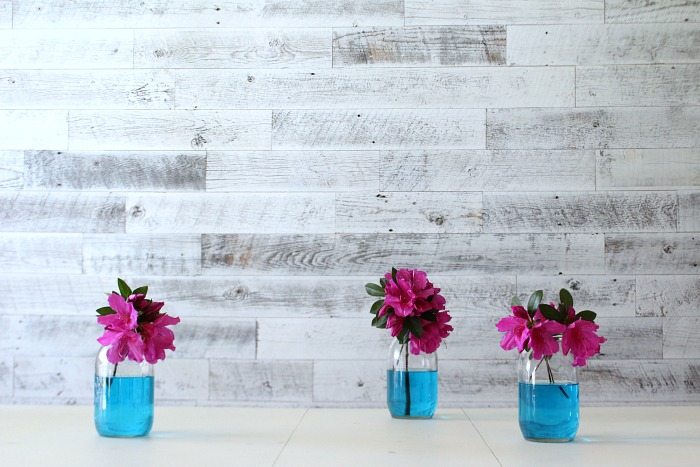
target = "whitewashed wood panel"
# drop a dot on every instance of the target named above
(261, 381)
(361, 382)
(50, 336)
(378, 129)
(219, 338)
(416, 212)
(631, 338)
(486, 170)
(292, 171)
(239, 213)
(603, 44)
(472, 383)
(606, 295)
(85, 89)
(373, 253)
(689, 211)
(169, 130)
(6, 376)
(231, 48)
(675, 296)
(638, 85)
(54, 377)
(581, 212)
(12, 169)
(652, 253)
(142, 254)
(611, 127)
(467, 87)
(67, 49)
(61, 212)
(420, 12)
(179, 379)
(681, 339)
(420, 46)
(643, 11)
(5, 13)
(86, 171)
(203, 13)
(36, 252)
(665, 169)
(33, 129)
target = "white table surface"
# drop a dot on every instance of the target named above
(212, 436)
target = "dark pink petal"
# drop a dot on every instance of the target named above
(581, 339)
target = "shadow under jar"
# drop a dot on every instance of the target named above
(412, 382)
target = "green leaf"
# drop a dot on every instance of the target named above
(376, 306)
(382, 282)
(380, 321)
(588, 315)
(415, 326)
(534, 302)
(374, 290)
(566, 298)
(402, 337)
(124, 289)
(393, 274)
(141, 290)
(515, 301)
(105, 310)
(549, 312)
(429, 316)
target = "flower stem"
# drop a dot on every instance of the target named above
(114, 373)
(551, 376)
(408, 385)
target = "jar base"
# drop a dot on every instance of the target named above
(549, 440)
(119, 435)
(412, 417)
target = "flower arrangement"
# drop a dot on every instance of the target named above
(134, 326)
(542, 326)
(411, 308)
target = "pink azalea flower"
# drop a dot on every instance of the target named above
(581, 339)
(516, 329)
(157, 337)
(433, 334)
(542, 341)
(120, 331)
(148, 309)
(410, 289)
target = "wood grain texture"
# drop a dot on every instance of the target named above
(652, 253)
(169, 130)
(33, 129)
(5, 13)
(638, 85)
(466, 87)
(581, 212)
(203, 13)
(604, 44)
(6, 376)
(85, 89)
(370, 253)
(239, 213)
(142, 254)
(631, 338)
(689, 211)
(292, 171)
(36, 336)
(221, 338)
(86, 171)
(673, 296)
(67, 49)
(486, 170)
(420, 46)
(180, 379)
(29, 252)
(360, 382)
(408, 212)
(12, 169)
(378, 129)
(602, 128)
(648, 169)
(54, 377)
(419, 12)
(61, 212)
(642, 11)
(230, 48)
(680, 339)
(261, 381)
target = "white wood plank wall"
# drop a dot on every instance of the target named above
(257, 161)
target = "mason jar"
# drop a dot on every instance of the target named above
(412, 382)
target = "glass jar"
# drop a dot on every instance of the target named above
(412, 383)
(548, 398)
(123, 397)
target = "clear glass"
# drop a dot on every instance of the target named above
(548, 398)
(123, 397)
(412, 383)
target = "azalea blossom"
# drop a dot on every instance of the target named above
(409, 293)
(542, 338)
(120, 331)
(433, 334)
(516, 328)
(157, 337)
(581, 339)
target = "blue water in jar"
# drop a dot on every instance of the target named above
(548, 412)
(423, 391)
(124, 405)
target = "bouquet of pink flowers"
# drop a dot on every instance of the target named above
(411, 308)
(134, 326)
(542, 326)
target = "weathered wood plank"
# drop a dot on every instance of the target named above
(239, 213)
(343, 382)
(470, 383)
(169, 130)
(632, 338)
(5, 13)
(292, 171)
(36, 252)
(378, 129)
(215, 338)
(142, 254)
(230, 48)
(643, 11)
(462, 170)
(419, 12)
(33, 129)
(606, 295)
(466, 87)
(370, 254)
(61, 212)
(12, 169)
(612, 127)
(261, 381)
(85, 89)
(675, 296)
(202, 13)
(179, 379)
(689, 211)
(408, 212)
(652, 253)
(54, 377)
(67, 49)
(420, 46)
(6, 376)
(664, 169)
(681, 339)
(604, 44)
(181, 171)
(581, 212)
(640, 85)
